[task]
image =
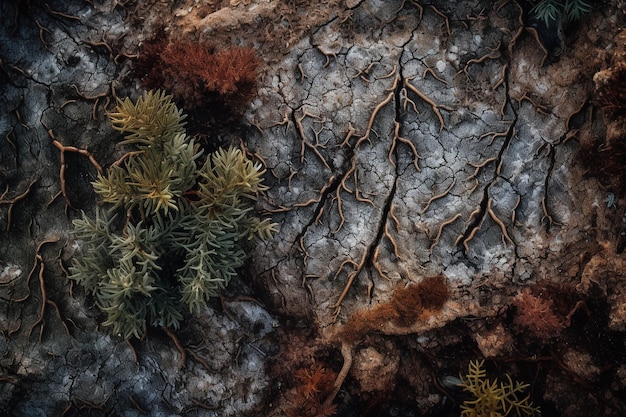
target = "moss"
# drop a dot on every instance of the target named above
(199, 76)
(408, 304)
(166, 234)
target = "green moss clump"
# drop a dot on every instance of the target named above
(493, 398)
(167, 233)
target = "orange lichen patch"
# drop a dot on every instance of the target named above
(408, 304)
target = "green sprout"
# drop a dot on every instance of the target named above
(167, 233)
(494, 398)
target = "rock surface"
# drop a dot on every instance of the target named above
(402, 141)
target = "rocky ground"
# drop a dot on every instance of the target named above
(446, 178)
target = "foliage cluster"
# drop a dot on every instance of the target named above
(494, 398)
(168, 230)
(198, 76)
(555, 10)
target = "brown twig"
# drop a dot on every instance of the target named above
(351, 277)
(445, 18)
(346, 352)
(394, 245)
(132, 351)
(303, 139)
(370, 123)
(11, 202)
(429, 70)
(179, 347)
(473, 232)
(519, 199)
(396, 138)
(494, 54)
(520, 29)
(540, 108)
(44, 296)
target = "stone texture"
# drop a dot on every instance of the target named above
(401, 140)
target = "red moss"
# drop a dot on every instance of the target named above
(314, 385)
(302, 374)
(315, 382)
(407, 305)
(199, 76)
(536, 315)
(411, 301)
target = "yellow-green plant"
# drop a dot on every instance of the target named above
(166, 234)
(491, 398)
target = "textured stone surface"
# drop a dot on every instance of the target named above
(401, 141)
(60, 70)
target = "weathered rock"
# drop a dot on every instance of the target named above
(401, 141)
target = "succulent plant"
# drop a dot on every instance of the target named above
(167, 233)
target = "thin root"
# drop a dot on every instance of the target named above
(432, 104)
(441, 226)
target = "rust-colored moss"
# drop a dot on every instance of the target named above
(313, 385)
(411, 301)
(219, 82)
(315, 382)
(536, 315)
(408, 304)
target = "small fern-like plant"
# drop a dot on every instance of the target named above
(494, 398)
(167, 233)
(554, 10)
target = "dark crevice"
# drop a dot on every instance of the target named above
(546, 183)
(381, 225)
(478, 219)
(331, 187)
(386, 210)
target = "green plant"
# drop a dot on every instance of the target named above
(554, 10)
(168, 230)
(493, 398)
